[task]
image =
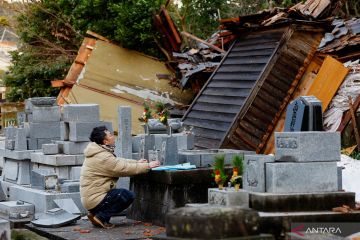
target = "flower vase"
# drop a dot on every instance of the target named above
(237, 187)
(221, 186)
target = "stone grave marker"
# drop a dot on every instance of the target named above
(124, 135)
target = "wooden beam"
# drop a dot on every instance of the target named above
(347, 115)
(353, 119)
(98, 36)
(57, 83)
(186, 34)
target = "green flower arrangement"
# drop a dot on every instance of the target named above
(162, 112)
(146, 115)
(219, 174)
(238, 168)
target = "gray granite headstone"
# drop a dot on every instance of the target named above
(169, 151)
(307, 146)
(294, 116)
(124, 134)
(301, 177)
(254, 172)
(315, 117)
(21, 118)
(147, 143)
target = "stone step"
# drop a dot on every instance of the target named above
(279, 223)
(211, 223)
(271, 202)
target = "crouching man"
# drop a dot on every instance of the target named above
(99, 174)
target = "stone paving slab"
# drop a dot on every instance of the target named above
(124, 229)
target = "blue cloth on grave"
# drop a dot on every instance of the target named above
(184, 166)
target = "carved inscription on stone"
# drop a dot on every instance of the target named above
(252, 175)
(287, 142)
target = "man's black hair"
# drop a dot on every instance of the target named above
(98, 134)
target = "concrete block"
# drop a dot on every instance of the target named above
(50, 148)
(31, 143)
(18, 155)
(68, 205)
(10, 132)
(254, 172)
(5, 187)
(16, 171)
(63, 172)
(44, 179)
(53, 160)
(75, 173)
(46, 114)
(303, 177)
(61, 145)
(43, 200)
(80, 131)
(74, 147)
(81, 113)
(64, 131)
(5, 231)
(41, 141)
(13, 208)
(45, 130)
(70, 187)
(307, 146)
(9, 144)
(20, 140)
(228, 197)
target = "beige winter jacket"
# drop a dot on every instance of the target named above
(100, 172)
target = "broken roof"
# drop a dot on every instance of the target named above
(113, 76)
(343, 41)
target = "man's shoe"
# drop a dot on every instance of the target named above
(91, 218)
(103, 224)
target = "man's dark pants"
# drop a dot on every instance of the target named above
(115, 201)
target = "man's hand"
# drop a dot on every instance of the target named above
(143, 161)
(154, 164)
